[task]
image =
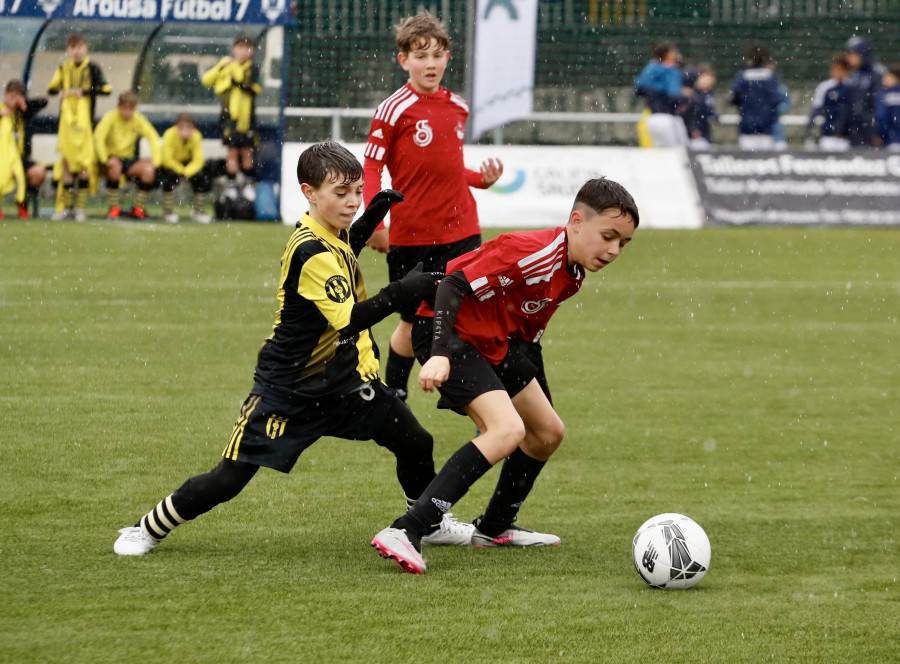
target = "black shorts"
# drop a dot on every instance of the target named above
(239, 139)
(273, 433)
(471, 375)
(434, 257)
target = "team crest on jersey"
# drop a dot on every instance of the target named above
(275, 426)
(337, 289)
(460, 131)
(534, 306)
(424, 134)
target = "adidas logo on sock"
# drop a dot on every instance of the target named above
(442, 505)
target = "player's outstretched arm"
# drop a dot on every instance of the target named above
(411, 289)
(378, 207)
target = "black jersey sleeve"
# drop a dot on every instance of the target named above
(448, 299)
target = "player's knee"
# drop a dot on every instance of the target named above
(508, 435)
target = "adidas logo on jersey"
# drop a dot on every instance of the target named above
(378, 133)
(504, 281)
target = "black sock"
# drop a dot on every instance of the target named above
(397, 370)
(517, 477)
(460, 472)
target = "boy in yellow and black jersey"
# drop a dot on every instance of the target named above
(317, 374)
(116, 143)
(182, 158)
(20, 110)
(235, 80)
(78, 81)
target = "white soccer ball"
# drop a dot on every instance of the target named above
(671, 551)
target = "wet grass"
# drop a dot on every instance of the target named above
(745, 377)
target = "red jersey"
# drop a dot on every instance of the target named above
(518, 282)
(419, 137)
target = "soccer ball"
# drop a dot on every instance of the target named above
(671, 551)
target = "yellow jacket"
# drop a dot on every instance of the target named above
(180, 156)
(237, 87)
(12, 174)
(76, 114)
(117, 137)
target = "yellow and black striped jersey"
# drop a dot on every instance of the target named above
(305, 356)
(236, 85)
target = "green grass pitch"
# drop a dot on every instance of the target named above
(745, 377)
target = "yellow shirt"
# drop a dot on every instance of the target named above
(74, 140)
(229, 79)
(180, 156)
(12, 174)
(116, 137)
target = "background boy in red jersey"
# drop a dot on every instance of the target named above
(418, 134)
(480, 348)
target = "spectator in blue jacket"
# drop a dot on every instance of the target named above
(863, 86)
(661, 86)
(887, 109)
(830, 107)
(701, 108)
(756, 94)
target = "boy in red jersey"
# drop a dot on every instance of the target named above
(418, 134)
(480, 348)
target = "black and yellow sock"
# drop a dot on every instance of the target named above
(168, 200)
(161, 520)
(112, 193)
(140, 197)
(83, 188)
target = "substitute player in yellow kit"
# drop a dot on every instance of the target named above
(116, 143)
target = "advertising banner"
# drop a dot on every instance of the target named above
(505, 47)
(798, 187)
(269, 12)
(539, 183)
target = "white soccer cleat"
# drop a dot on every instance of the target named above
(249, 192)
(80, 215)
(394, 544)
(133, 541)
(451, 532)
(514, 536)
(170, 218)
(200, 217)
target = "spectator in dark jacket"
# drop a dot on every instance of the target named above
(755, 93)
(701, 108)
(887, 109)
(863, 86)
(831, 107)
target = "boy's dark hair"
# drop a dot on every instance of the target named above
(662, 49)
(758, 55)
(419, 29)
(320, 160)
(184, 118)
(75, 39)
(601, 194)
(840, 59)
(16, 87)
(128, 98)
(244, 40)
(894, 69)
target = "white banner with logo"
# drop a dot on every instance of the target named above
(505, 48)
(539, 183)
